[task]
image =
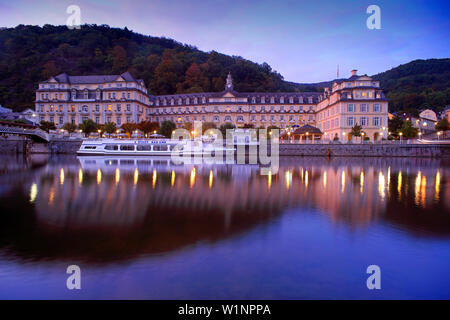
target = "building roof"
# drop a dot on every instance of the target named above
(307, 128)
(93, 79)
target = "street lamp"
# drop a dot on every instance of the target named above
(438, 134)
(401, 134)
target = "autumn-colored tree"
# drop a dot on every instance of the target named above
(129, 127)
(120, 61)
(442, 125)
(148, 127)
(208, 125)
(49, 69)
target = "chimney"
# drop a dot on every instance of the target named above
(354, 72)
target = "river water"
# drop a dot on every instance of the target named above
(146, 228)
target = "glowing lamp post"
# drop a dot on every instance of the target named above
(400, 134)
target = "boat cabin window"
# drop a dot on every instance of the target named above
(127, 147)
(90, 147)
(159, 148)
(144, 148)
(111, 147)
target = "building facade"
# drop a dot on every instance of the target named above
(121, 99)
(107, 98)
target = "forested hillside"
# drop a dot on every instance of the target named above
(29, 54)
(417, 85)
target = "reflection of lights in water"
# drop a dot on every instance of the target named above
(361, 181)
(306, 179)
(33, 192)
(154, 178)
(417, 187)
(117, 176)
(423, 185)
(437, 185)
(269, 179)
(343, 181)
(210, 178)
(288, 177)
(172, 178)
(381, 184)
(192, 179)
(61, 176)
(399, 184)
(301, 173)
(135, 176)
(51, 196)
(389, 177)
(80, 176)
(99, 176)
(325, 179)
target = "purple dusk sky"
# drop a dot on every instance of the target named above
(303, 40)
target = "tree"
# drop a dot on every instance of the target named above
(47, 126)
(269, 130)
(356, 130)
(49, 69)
(88, 126)
(120, 63)
(129, 127)
(109, 127)
(442, 125)
(408, 131)
(224, 127)
(166, 128)
(394, 125)
(148, 127)
(188, 126)
(69, 127)
(208, 125)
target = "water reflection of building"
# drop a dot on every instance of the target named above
(159, 207)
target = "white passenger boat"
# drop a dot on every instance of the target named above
(155, 147)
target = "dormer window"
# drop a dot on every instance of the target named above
(272, 100)
(282, 100)
(291, 100)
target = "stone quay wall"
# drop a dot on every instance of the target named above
(367, 150)
(71, 146)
